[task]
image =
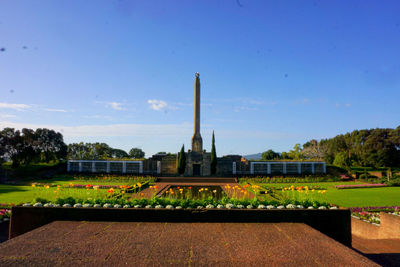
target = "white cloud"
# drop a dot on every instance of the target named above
(7, 116)
(157, 104)
(19, 107)
(348, 105)
(115, 105)
(55, 110)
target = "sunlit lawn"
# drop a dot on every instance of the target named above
(358, 197)
(21, 194)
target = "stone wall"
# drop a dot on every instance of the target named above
(388, 229)
(169, 165)
(224, 166)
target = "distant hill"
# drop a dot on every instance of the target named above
(253, 156)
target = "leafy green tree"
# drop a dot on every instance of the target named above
(136, 153)
(270, 155)
(285, 155)
(213, 156)
(118, 153)
(182, 160)
(296, 152)
(342, 160)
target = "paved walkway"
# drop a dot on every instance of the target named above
(383, 251)
(177, 244)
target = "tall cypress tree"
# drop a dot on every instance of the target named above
(182, 161)
(213, 156)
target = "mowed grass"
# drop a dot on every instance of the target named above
(16, 194)
(358, 197)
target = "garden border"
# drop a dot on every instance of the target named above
(335, 223)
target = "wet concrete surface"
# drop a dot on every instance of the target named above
(67, 243)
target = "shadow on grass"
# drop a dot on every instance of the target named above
(11, 188)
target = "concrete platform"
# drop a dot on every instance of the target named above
(68, 243)
(385, 252)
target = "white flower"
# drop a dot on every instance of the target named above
(249, 207)
(107, 205)
(87, 205)
(66, 205)
(290, 206)
(78, 205)
(38, 204)
(200, 207)
(280, 207)
(159, 207)
(229, 206)
(240, 206)
(148, 207)
(270, 207)
(56, 205)
(137, 206)
(126, 206)
(96, 206)
(178, 207)
(333, 208)
(26, 205)
(169, 207)
(48, 205)
(117, 206)
(209, 206)
(261, 206)
(310, 208)
(219, 206)
(300, 206)
(322, 208)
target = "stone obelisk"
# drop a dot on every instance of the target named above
(197, 141)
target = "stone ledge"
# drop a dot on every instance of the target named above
(388, 229)
(333, 223)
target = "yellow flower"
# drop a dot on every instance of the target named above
(47, 187)
(206, 189)
(33, 185)
(215, 191)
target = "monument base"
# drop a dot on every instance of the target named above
(198, 163)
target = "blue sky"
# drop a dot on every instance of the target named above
(273, 73)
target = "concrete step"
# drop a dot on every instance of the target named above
(222, 180)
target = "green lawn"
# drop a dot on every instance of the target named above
(358, 197)
(16, 194)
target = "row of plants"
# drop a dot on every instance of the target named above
(370, 217)
(281, 179)
(132, 188)
(372, 214)
(112, 178)
(160, 202)
(351, 186)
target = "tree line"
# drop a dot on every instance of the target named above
(27, 145)
(91, 151)
(44, 145)
(367, 148)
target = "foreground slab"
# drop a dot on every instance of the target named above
(67, 243)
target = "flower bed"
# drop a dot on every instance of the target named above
(175, 201)
(5, 215)
(372, 214)
(351, 186)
